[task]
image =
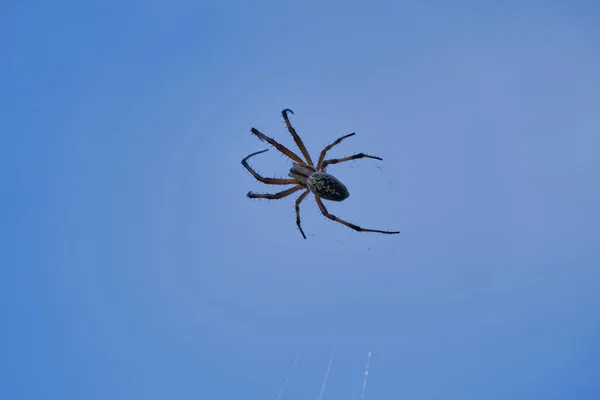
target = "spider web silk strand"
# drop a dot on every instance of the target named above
(326, 375)
(364, 388)
(287, 379)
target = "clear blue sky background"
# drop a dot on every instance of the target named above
(134, 266)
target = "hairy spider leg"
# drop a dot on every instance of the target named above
(269, 181)
(275, 196)
(298, 201)
(348, 224)
(340, 160)
(278, 146)
(327, 148)
(297, 139)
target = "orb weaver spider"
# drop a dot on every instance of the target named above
(305, 175)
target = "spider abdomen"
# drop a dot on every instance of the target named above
(327, 186)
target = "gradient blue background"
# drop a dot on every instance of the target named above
(134, 266)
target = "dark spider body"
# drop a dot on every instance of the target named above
(305, 175)
(319, 183)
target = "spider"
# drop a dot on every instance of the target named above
(305, 175)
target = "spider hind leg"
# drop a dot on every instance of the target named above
(348, 224)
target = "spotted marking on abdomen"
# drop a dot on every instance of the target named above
(327, 186)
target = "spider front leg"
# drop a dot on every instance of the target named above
(348, 224)
(275, 196)
(277, 145)
(297, 139)
(258, 177)
(340, 160)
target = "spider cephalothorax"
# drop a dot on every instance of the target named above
(305, 175)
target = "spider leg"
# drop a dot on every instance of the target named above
(275, 196)
(269, 181)
(339, 160)
(297, 139)
(348, 224)
(298, 201)
(327, 148)
(278, 146)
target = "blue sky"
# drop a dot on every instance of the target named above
(135, 266)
